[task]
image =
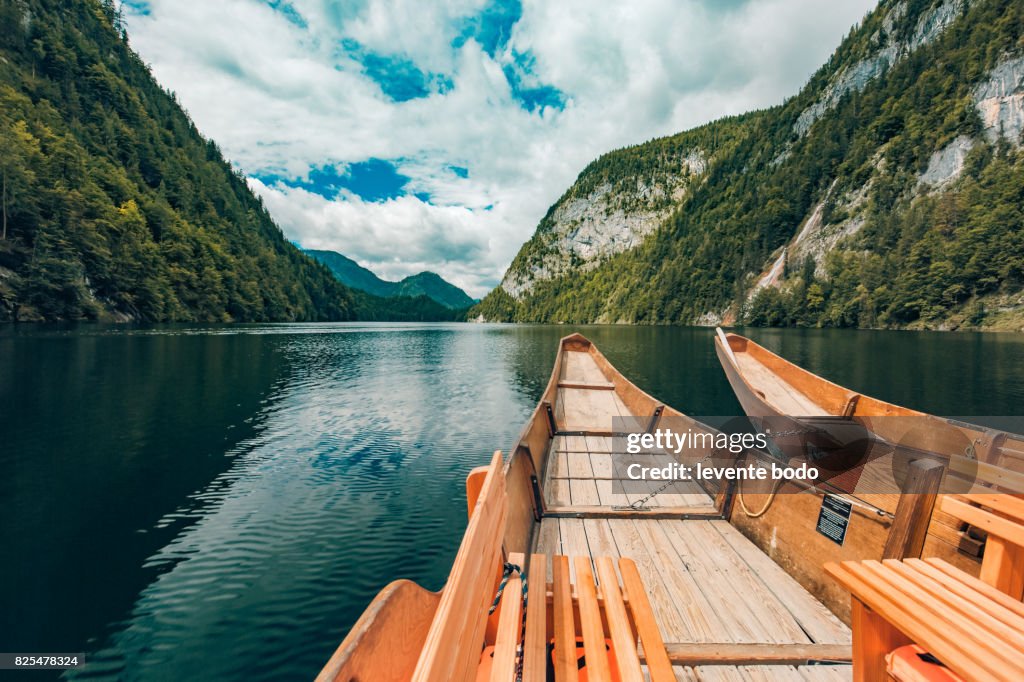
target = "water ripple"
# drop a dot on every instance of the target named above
(354, 478)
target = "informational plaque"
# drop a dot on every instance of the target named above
(834, 518)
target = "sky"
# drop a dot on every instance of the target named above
(418, 135)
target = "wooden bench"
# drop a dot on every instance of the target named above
(973, 626)
(609, 643)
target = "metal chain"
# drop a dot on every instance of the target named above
(793, 432)
(639, 504)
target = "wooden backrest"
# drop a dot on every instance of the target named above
(1003, 521)
(455, 639)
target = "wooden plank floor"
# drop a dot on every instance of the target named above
(760, 673)
(707, 582)
(580, 472)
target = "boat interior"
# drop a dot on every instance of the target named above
(707, 582)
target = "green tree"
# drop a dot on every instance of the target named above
(20, 155)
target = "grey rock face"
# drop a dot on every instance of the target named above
(1000, 101)
(855, 77)
(945, 165)
(587, 230)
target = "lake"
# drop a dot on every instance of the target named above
(221, 502)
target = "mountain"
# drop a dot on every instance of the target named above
(889, 192)
(433, 285)
(114, 206)
(351, 273)
(428, 284)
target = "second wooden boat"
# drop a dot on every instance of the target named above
(769, 386)
(950, 457)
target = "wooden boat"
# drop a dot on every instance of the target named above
(700, 597)
(768, 386)
(962, 458)
(950, 616)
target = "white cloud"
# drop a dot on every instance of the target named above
(282, 98)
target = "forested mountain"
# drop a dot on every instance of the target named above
(419, 308)
(432, 285)
(113, 204)
(888, 193)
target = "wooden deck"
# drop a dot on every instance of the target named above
(707, 582)
(580, 474)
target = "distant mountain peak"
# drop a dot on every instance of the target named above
(425, 283)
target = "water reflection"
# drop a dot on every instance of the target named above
(355, 478)
(101, 437)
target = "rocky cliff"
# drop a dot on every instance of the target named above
(606, 212)
(885, 193)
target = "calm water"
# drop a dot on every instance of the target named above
(221, 502)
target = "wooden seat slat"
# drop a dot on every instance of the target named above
(590, 623)
(658, 665)
(592, 385)
(973, 625)
(535, 649)
(565, 628)
(621, 632)
(904, 593)
(950, 604)
(986, 521)
(916, 622)
(506, 640)
(946, 581)
(1003, 503)
(979, 586)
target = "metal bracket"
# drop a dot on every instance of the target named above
(552, 424)
(538, 498)
(655, 418)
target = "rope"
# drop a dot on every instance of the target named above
(506, 574)
(767, 503)
(775, 488)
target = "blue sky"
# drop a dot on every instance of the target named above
(414, 135)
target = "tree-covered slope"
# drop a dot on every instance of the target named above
(113, 204)
(888, 192)
(351, 273)
(427, 284)
(420, 308)
(437, 288)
